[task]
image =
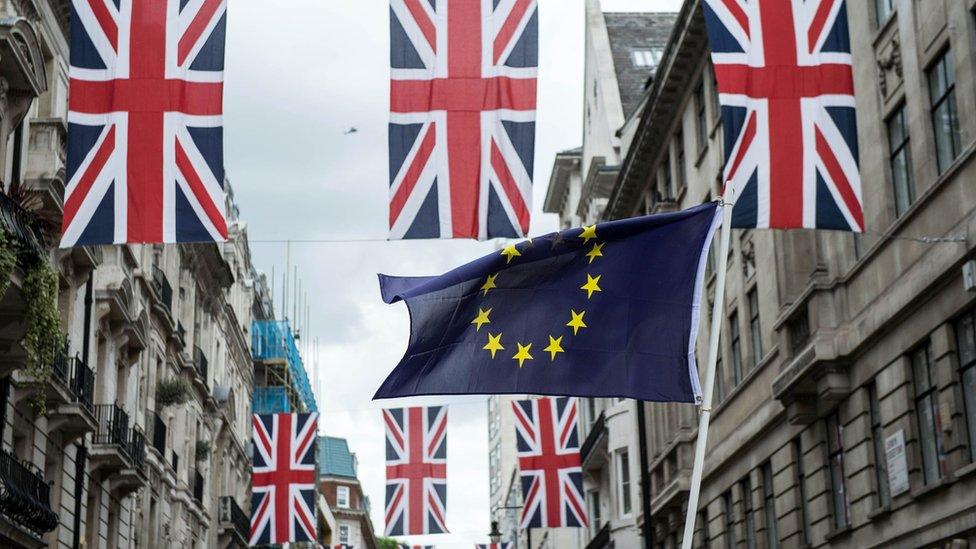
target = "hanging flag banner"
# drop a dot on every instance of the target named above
(609, 310)
(415, 546)
(548, 448)
(462, 117)
(500, 545)
(416, 470)
(283, 478)
(145, 131)
(787, 94)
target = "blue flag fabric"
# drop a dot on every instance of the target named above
(609, 310)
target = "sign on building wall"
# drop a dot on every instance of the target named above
(897, 463)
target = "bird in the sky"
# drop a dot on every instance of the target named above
(350, 130)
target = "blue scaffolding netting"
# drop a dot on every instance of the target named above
(273, 339)
(271, 400)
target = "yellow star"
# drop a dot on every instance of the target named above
(577, 321)
(482, 318)
(592, 285)
(596, 252)
(588, 233)
(510, 252)
(555, 346)
(489, 284)
(523, 353)
(494, 344)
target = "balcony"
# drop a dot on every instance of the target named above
(593, 452)
(234, 522)
(200, 366)
(25, 498)
(21, 224)
(197, 479)
(118, 450)
(69, 395)
(163, 290)
(158, 433)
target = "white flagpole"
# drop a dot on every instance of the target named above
(713, 350)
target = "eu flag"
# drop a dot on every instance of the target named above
(609, 310)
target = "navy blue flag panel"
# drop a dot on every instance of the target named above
(609, 310)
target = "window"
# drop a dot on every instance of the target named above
(801, 479)
(719, 378)
(927, 413)
(591, 410)
(679, 153)
(945, 120)
(343, 533)
(877, 440)
(750, 513)
(900, 161)
(858, 246)
(664, 181)
(755, 327)
(736, 348)
(342, 497)
(729, 520)
(705, 540)
(883, 10)
(799, 330)
(835, 462)
(647, 58)
(769, 506)
(623, 482)
(595, 521)
(966, 344)
(701, 120)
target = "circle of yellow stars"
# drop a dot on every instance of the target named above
(577, 319)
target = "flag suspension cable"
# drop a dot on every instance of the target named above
(705, 411)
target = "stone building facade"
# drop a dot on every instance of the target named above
(134, 434)
(845, 411)
(338, 484)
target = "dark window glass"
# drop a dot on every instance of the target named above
(679, 146)
(719, 377)
(882, 10)
(705, 541)
(750, 513)
(900, 161)
(801, 484)
(736, 349)
(927, 412)
(835, 461)
(755, 327)
(877, 440)
(966, 344)
(769, 506)
(945, 118)
(729, 520)
(858, 246)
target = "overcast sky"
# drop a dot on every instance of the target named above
(297, 76)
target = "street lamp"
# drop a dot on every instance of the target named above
(495, 536)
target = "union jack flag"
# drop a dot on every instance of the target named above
(787, 93)
(145, 131)
(283, 478)
(462, 128)
(501, 545)
(416, 470)
(408, 546)
(548, 449)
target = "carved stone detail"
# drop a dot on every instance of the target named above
(889, 61)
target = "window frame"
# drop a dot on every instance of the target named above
(625, 506)
(900, 152)
(679, 156)
(749, 512)
(344, 532)
(839, 498)
(755, 325)
(878, 443)
(948, 99)
(967, 366)
(348, 500)
(735, 343)
(728, 512)
(801, 478)
(769, 505)
(881, 17)
(930, 393)
(701, 116)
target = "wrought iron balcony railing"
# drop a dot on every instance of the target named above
(163, 287)
(137, 447)
(231, 513)
(596, 431)
(24, 496)
(113, 427)
(21, 223)
(83, 383)
(601, 539)
(200, 363)
(158, 433)
(197, 480)
(61, 366)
